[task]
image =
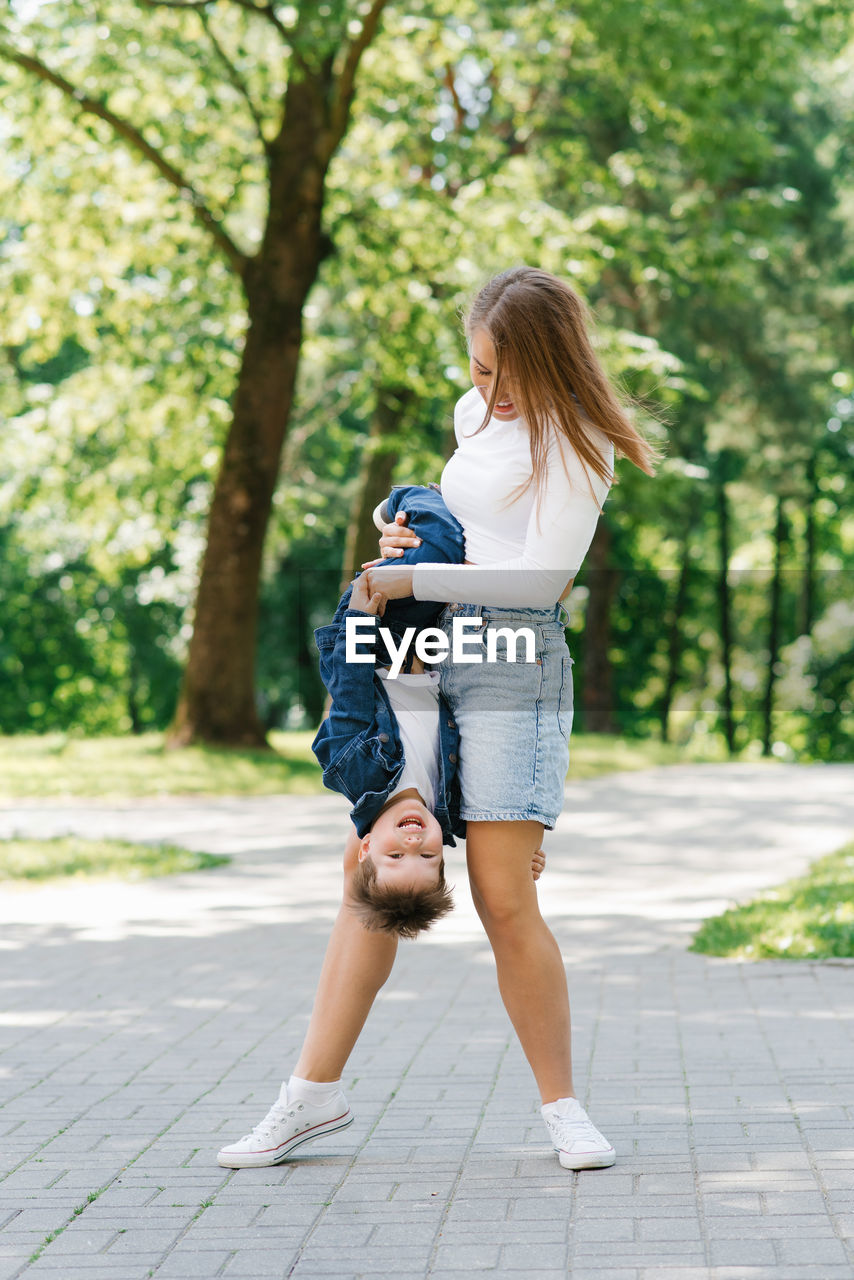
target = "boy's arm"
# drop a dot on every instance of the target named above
(349, 684)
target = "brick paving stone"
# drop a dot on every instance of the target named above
(258, 1263)
(94, 1268)
(726, 1205)
(451, 1273)
(669, 1229)
(605, 1272)
(772, 1228)
(186, 1265)
(481, 1256)
(822, 1271)
(601, 1229)
(532, 1258)
(815, 1252)
(664, 1184)
(551, 1233)
(154, 1023)
(791, 1202)
(640, 1252)
(743, 1252)
(679, 1272)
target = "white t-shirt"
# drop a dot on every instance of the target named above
(415, 702)
(523, 553)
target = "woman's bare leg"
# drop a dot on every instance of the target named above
(531, 976)
(356, 965)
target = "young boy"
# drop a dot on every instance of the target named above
(389, 743)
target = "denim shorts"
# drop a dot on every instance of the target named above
(514, 717)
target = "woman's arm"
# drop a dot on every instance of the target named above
(559, 533)
(504, 587)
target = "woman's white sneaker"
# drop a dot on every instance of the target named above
(577, 1141)
(287, 1125)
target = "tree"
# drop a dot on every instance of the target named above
(298, 125)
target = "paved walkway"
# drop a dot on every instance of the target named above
(145, 1024)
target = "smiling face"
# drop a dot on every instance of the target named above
(483, 362)
(405, 845)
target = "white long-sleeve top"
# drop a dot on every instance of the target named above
(522, 553)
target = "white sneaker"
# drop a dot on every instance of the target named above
(577, 1141)
(288, 1124)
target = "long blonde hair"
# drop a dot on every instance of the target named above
(538, 327)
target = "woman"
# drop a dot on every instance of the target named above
(536, 439)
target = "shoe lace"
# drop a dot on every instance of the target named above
(278, 1113)
(575, 1128)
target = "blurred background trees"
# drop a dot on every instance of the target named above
(687, 167)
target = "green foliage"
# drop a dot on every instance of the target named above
(808, 918)
(76, 649)
(817, 688)
(686, 167)
(72, 858)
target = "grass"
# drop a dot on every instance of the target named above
(69, 857)
(593, 754)
(808, 918)
(56, 765)
(90, 1199)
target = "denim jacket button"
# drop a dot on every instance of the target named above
(452, 758)
(451, 724)
(383, 737)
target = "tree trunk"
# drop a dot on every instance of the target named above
(378, 463)
(217, 702)
(674, 641)
(780, 533)
(133, 691)
(725, 613)
(312, 694)
(808, 606)
(602, 580)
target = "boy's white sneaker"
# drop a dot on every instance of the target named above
(287, 1125)
(577, 1141)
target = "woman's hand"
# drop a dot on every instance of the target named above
(394, 582)
(395, 537)
(365, 600)
(538, 864)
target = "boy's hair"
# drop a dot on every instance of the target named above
(405, 912)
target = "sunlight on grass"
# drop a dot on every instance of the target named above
(594, 754)
(68, 857)
(55, 765)
(809, 918)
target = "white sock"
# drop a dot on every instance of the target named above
(559, 1107)
(311, 1091)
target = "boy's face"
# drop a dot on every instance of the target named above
(405, 845)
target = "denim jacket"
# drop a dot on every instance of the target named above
(358, 744)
